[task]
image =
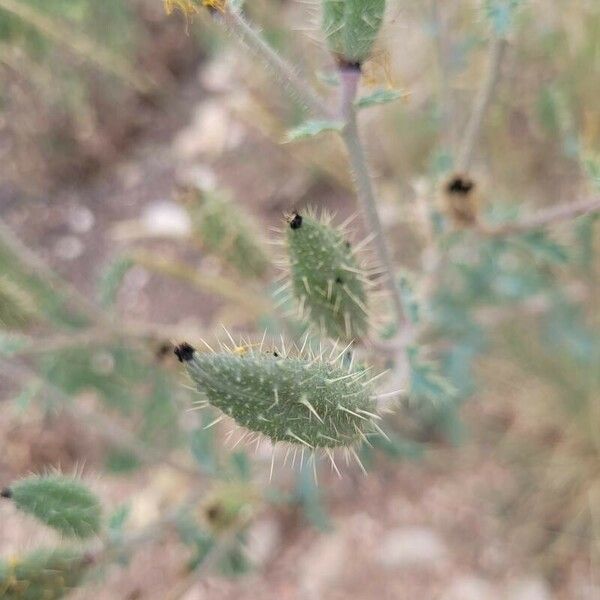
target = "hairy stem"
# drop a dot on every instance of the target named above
(482, 101)
(285, 73)
(365, 190)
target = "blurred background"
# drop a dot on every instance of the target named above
(120, 125)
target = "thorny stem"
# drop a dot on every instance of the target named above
(482, 101)
(283, 71)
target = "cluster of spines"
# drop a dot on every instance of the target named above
(351, 28)
(308, 401)
(330, 285)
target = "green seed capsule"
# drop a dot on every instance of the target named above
(327, 282)
(42, 575)
(302, 400)
(226, 231)
(351, 27)
(60, 502)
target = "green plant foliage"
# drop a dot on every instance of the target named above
(352, 26)
(312, 128)
(299, 399)
(25, 296)
(60, 502)
(327, 280)
(378, 97)
(111, 280)
(227, 231)
(42, 574)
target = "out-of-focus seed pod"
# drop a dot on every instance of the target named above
(60, 502)
(461, 200)
(42, 574)
(351, 28)
(226, 230)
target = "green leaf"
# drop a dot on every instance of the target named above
(381, 96)
(11, 343)
(544, 247)
(111, 280)
(60, 502)
(501, 14)
(427, 381)
(312, 128)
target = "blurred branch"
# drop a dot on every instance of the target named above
(79, 44)
(226, 288)
(442, 48)
(482, 101)
(544, 218)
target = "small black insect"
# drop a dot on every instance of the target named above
(275, 354)
(6, 493)
(184, 352)
(460, 185)
(296, 221)
(339, 280)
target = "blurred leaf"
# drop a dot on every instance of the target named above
(544, 247)
(427, 381)
(308, 497)
(381, 96)
(111, 280)
(312, 128)
(121, 461)
(10, 343)
(410, 301)
(501, 14)
(202, 446)
(240, 465)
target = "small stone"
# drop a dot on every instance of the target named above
(412, 546)
(68, 247)
(471, 588)
(529, 589)
(166, 218)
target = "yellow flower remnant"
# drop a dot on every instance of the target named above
(191, 7)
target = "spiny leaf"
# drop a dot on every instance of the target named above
(43, 574)
(351, 27)
(312, 128)
(300, 399)
(379, 97)
(327, 281)
(60, 502)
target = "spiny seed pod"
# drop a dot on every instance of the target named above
(60, 502)
(461, 200)
(351, 28)
(327, 281)
(227, 231)
(43, 574)
(228, 504)
(296, 398)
